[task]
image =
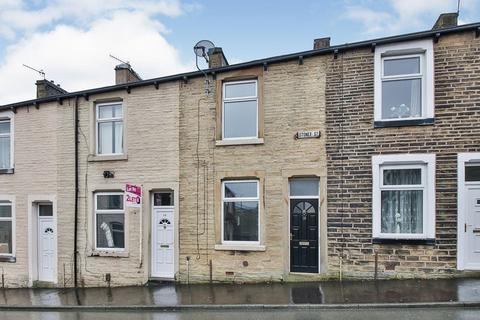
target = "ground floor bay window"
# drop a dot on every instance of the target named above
(240, 212)
(404, 196)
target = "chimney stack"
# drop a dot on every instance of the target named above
(446, 20)
(216, 58)
(47, 88)
(124, 73)
(321, 43)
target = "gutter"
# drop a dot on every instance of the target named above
(435, 34)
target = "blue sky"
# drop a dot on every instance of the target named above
(71, 40)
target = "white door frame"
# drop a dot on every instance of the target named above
(463, 187)
(33, 201)
(176, 246)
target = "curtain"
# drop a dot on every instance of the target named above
(4, 152)
(402, 210)
(416, 98)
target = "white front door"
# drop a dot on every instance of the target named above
(472, 229)
(46, 244)
(163, 244)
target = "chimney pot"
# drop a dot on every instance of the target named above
(124, 73)
(446, 20)
(216, 58)
(321, 43)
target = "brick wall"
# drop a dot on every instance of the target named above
(352, 141)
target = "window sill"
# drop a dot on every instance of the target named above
(220, 143)
(7, 171)
(98, 158)
(403, 241)
(112, 254)
(239, 247)
(10, 259)
(404, 123)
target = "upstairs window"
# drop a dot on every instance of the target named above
(109, 118)
(240, 110)
(404, 81)
(6, 144)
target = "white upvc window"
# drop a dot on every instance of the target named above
(6, 141)
(240, 212)
(240, 110)
(109, 128)
(109, 221)
(7, 228)
(403, 196)
(404, 85)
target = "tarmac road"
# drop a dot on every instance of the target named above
(351, 314)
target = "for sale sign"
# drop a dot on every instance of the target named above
(133, 195)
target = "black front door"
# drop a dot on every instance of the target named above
(304, 235)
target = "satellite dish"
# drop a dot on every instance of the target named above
(202, 47)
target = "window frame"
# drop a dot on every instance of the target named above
(109, 211)
(4, 117)
(106, 120)
(409, 49)
(12, 218)
(239, 199)
(425, 162)
(242, 99)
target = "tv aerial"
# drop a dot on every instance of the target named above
(201, 50)
(40, 72)
(119, 60)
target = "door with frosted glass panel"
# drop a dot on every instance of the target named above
(304, 225)
(163, 236)
(46, 250)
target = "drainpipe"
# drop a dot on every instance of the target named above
(75, 232)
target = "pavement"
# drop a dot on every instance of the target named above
(464, 292)
(364, 314)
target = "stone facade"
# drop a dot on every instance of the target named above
(292, 101)
(352, 140)
(172, 141)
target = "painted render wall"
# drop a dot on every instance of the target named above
(44, 170)
(456, 129)
(151, 120)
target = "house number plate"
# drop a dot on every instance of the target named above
(304, 243)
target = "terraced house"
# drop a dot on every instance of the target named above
(359, 160)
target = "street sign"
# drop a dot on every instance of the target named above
(133, 196)
(307, 134)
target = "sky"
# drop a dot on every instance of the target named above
(71, 40)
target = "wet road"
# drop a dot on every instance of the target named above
(377, 314)
(327, 292)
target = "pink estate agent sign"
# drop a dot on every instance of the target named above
(133, 195)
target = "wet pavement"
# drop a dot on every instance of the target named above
(326, 292)
(390, 314)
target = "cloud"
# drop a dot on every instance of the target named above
(78, 58)
(403, 15)
(19, 16)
